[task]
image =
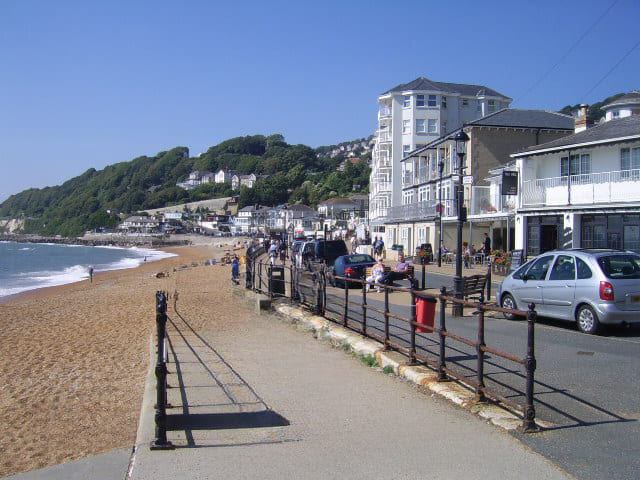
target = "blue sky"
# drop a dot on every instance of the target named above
(87, 84)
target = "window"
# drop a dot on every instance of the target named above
(406, 126)
(443, 127)
(443, 102)
(407, 101)
(491, 106)
(538, 270)
(583, 269)
(575, 165)
(420, 145)
(564, 269)
(406, 149)
(479, 107)
(420, 102)
(630, 158)
(421, 125)
(465, 102)
(432, 101)
(407, 197)
(432, 126)
(422, 194)
(615, 114)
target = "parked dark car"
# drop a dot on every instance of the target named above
(324, 251)
(588, 286)
(350, 266)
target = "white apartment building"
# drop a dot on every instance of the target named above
(411, 116)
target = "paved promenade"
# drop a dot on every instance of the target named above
(260, 398)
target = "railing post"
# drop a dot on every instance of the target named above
(480, 396)
(442, 365)
(364, 308)
(161, 442)
(414, 319)
(345, 317)
(291, 294)
(386, 318)
(529, 420)
(489, 282)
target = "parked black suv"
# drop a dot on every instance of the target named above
(325, 251)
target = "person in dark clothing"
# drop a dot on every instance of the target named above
(486, 243)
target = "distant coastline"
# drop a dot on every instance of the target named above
(99, 241)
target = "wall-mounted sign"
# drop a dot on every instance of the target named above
(509, 182)
(467, 180)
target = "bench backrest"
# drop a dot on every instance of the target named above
(474, 284)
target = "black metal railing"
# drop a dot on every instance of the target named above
(399, 328)
(161, 442)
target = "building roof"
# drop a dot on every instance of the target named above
(511, 117)
(300, 207)
(337, 201)
(631, 98)
(606, 132)
(425, 84)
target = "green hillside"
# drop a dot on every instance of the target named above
(92, 200)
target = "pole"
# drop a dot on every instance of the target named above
(457, 281)
(441, 167)
(160, 442)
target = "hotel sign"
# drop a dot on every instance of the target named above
(509, 182)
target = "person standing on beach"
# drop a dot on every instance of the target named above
(91, 273)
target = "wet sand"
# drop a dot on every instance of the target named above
(74, 358)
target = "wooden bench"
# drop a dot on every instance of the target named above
(474, 286)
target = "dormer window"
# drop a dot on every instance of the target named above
(432, 102)
(491, 106)
(407, 101)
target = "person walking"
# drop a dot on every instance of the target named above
(235, 270)
(91, 273)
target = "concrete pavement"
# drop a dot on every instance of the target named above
(264, 400)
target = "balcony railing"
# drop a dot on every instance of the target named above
(420, 211)
(384, 136)
(593, 188)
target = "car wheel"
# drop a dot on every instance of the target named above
(509, 303)
(587, 320)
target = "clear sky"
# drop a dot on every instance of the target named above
(90, 83)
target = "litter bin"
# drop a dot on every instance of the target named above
(276, 280)
(425, 313)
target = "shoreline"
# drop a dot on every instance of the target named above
(103, 240)
(152, 259)
(77, 356)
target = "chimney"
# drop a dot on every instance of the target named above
(582, 121)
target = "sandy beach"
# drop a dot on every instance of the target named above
(75, 357)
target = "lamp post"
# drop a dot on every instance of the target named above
(440, 168)
(461, 143)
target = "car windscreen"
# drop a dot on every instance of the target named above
(623, 265)
(359, 259)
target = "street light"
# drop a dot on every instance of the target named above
(461, 140)
(440, 168)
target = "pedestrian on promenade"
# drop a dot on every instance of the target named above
(486, 245)
(91, 273)
(235, 270)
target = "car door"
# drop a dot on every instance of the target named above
(529, 289)
(558, 291)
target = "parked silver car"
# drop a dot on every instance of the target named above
(588, 286)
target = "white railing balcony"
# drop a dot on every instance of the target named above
(378, 213)
(426, 211)
(384, 136)
(384, 112)
(407, 179)
(594, 188)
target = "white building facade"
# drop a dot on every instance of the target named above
(582, 191)
(411, 116)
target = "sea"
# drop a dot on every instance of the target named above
(28, 266)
